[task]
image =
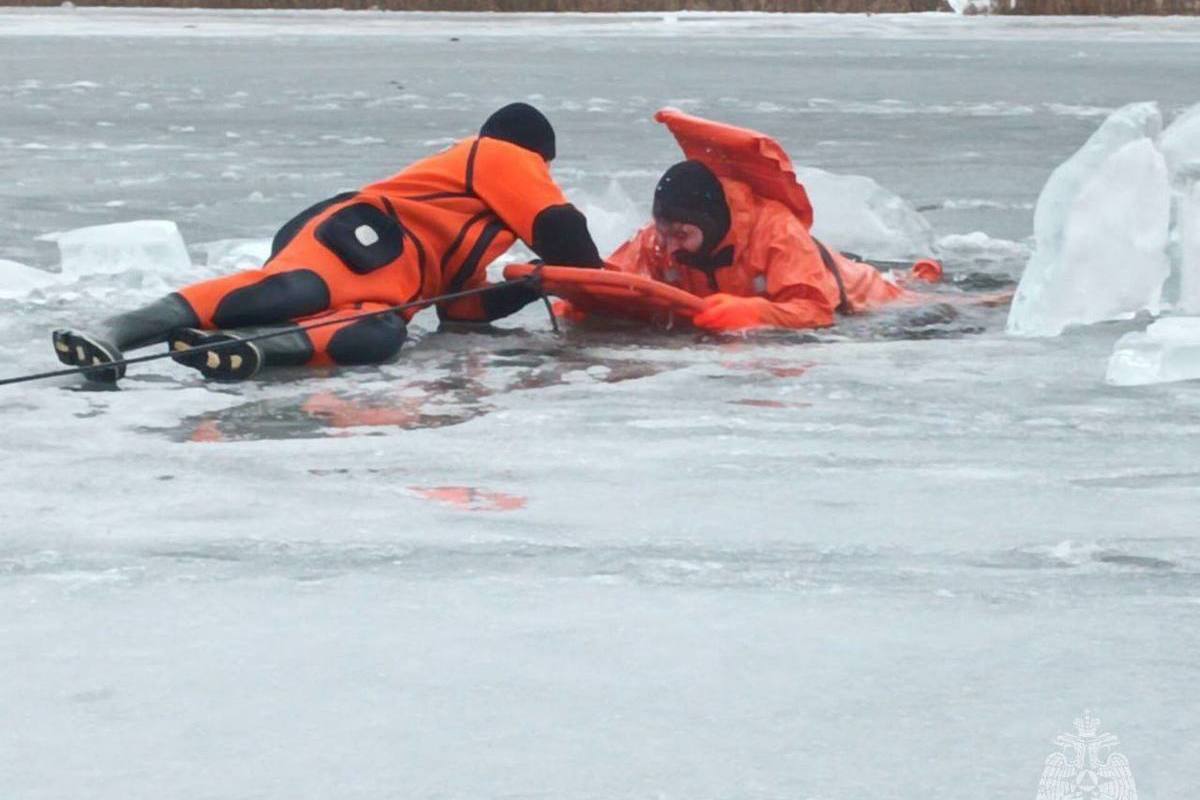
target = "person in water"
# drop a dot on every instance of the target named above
(750, 257)
(429, 230)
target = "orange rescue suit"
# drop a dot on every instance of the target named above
(776, 265)
(431, 229)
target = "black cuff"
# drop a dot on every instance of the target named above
(507, 300)
(561, 237)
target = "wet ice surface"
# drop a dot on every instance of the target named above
(892, 559)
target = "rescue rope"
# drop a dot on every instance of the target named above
(549, 308)
(533, 279)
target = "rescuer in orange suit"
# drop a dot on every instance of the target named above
(750, 258)
(430, 230)
(740, 239)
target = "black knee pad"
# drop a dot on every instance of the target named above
(362, 236)
(373, 340)
(279, 297)
(293, 226)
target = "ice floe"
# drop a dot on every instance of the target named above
(1168, 350)
(1110, 225)
(227, 255)
(854, 213)
(18, 280)
(144, 246)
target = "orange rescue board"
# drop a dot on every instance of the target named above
(612, 294)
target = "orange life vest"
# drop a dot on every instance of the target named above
(741, 154)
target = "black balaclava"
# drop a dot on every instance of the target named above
(524, 126)
(689, 192)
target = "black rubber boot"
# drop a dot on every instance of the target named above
(133, 329)
(237, 359)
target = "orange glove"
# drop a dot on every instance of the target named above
(926, 270)
(726, 312)
(564, 310)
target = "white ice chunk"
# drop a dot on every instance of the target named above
(1180, 145)
(855, 214)
(612, 216)
(18, 280)
(1101, 228)
(1168, 350)
(970, 6)
(234, 254)
(978, 246)
(152, 247)
(1180, 142)
(1129, 124)
(1187, 232)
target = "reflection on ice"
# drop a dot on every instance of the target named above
(469, 498)
(435, 389)
(313, 416)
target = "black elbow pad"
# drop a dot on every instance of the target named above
(560, 237)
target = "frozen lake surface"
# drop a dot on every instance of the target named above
(891, 560)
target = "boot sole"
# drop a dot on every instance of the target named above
(237, 361)
(76, 349)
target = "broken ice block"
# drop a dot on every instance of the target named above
(144, 246)
(1101, 228)
(1168, 350)
(854, 213)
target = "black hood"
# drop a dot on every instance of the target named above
(524, 126)
(689, 192)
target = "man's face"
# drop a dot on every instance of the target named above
(677, 237)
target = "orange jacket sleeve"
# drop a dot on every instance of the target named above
(800, 291)
(516, 185)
